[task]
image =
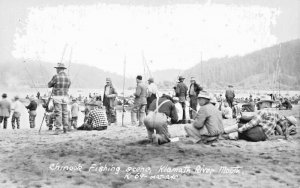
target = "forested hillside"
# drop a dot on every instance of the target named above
(256, 70)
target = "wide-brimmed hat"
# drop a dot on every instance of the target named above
(60, 66)
(32, 98)
(108, 79)
(292, 120)
(193, 78)
(17, 97)
(265, 98)
(204, 94)
(230, 85)
(151, 79)
(181, 78)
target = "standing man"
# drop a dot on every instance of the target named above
(4, 110)
(181, 93)
(16, 108)
(109, 101)
(140, 102)
(151, 92)
(74, 113)
(193, 94)
(230, 95)
(32, 111)
(60, 84)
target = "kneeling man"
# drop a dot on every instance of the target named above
(157, 119)
(208, 123)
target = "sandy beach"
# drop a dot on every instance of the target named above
(121, 157)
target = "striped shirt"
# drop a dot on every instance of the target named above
(265, 118)
(60, 83)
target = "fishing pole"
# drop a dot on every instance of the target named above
(34, 86)
(47, 105)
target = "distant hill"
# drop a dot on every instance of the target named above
(257, 70)
(17, 75)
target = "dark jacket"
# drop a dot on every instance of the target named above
(181, 91)
(110, 101)
(229, 94)
(167, 108)
(32, 106)
(197, 89)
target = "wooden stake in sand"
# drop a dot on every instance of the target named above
(123, 109)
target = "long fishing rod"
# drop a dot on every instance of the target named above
(123, 105)
(34, 86)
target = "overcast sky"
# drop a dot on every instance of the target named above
(170, 35)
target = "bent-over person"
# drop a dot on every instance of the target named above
(166, 107)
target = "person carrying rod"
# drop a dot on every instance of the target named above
(60, 84)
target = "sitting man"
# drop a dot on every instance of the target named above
(263, 124)
(159, 121)
(96, 119)
(208, 124)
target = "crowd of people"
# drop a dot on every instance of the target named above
(201, 112)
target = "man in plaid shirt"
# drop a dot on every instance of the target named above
(96, 119)
(60, 84)
(263, 125)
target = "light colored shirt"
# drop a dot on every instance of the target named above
(152, 89)
(179, 110)
(227, 112)
(17, 106)
(208, 116)
(75, 109)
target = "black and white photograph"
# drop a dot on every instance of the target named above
(149, 93)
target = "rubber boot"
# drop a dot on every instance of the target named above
(133, 118)
(141, 119)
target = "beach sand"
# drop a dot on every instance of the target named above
(29, 159)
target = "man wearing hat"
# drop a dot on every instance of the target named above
(151, 92)
(208, 123)
(96, 119)
(109, 101)
(229, 95)
(181, 93)
(140, 102)
(60, 84)
(5, 108)
(16, 108)
(193, 94)
(263, 124)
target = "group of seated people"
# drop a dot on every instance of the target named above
(208, 123)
